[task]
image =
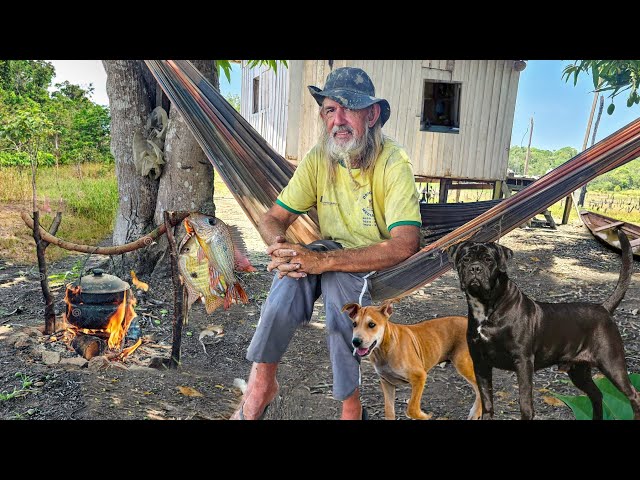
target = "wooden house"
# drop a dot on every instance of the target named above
(454, 117)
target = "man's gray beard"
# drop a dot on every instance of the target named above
(349, 153)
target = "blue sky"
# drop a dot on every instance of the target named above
(560, 111)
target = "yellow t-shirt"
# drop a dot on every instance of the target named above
(356, 217)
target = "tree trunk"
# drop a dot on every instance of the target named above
(187, 177)
(130, 104)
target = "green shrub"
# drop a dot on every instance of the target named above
(14, 159)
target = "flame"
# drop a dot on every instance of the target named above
(120, 320)
(129, 350)
(138, 283)
(75, 290)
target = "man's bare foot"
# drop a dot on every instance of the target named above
(252, 406)
(351, 407)
(262, 388)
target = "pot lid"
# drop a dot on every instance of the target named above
(101, 282)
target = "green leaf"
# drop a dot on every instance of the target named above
(615, 405)
(225, 66)
(615, 400)
(594, 73)
(611, 108)
(579, 404)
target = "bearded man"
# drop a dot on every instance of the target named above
(362, 185)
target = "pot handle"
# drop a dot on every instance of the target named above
(93, 269)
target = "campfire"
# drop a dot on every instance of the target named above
(99, 313)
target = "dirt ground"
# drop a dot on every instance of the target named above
(39, 377)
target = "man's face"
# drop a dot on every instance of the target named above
(345, 127)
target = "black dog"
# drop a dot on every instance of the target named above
(510, 331)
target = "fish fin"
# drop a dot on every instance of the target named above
(241, 260)
(212, 302)
(201, 254)
(241, 263)
(238, 293)
(192, 295)
(187, 227)
(216, 282)
(228, 299)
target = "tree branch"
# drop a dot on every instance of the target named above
(144, 241)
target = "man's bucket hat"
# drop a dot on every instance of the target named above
(352, 88)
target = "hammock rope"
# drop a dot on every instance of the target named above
(255, 174)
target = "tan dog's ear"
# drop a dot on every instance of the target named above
(386, 308)
(352, 309)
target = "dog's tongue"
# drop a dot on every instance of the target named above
(362, 351)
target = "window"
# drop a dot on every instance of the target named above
(256, 95)
(441, 107)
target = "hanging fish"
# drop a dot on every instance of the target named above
(224, 256)
(194, 268)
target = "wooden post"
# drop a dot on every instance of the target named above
(583, 190)
(569, 200)
(444, 190)
(497, 189)
(178, 295)
(526, 159)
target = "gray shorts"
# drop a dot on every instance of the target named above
(290, 303)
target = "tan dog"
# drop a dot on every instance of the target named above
(405, 353)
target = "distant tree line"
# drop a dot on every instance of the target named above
(626, 177)
(67, 123)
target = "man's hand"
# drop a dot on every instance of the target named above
(283, 259)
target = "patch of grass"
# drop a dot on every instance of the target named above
(25, 387)
(16, 184)
(90, 201)
(63, 278)
(623, 205)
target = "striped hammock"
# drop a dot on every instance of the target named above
(255, 174)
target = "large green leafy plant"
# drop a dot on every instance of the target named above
(615, 76)
(615, 405)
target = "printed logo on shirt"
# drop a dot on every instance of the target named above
(368, 219)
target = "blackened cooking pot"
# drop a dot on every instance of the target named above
(94, 299)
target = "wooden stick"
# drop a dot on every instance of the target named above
(144, 241)
(49, 311)
(53, 229)
(178, 295)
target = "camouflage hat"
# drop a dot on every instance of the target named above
(352, 88)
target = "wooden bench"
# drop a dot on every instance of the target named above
(509, 190)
